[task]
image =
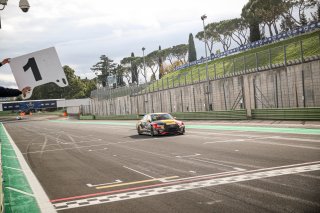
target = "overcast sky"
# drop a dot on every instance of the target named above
(82, 31)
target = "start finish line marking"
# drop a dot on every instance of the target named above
(146, 191)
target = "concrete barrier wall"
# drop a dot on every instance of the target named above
(286, 87)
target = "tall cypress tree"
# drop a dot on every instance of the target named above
(160, 63)
(192, 56)
(134, 70)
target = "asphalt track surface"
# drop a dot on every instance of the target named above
(104, 166)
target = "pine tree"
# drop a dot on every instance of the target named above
(254, 32)
(192, 56)
(303, 19)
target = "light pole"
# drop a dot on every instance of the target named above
(144, 65)
(23, 4)
(203, 17)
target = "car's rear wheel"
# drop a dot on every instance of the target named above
(151, 132)
(139, 130)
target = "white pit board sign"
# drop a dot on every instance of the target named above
(38, 68)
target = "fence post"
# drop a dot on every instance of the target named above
(168, 86)
(224, 70)
(172, 82)
(270, 62)
(257, 62)
(244, 64)
(215, 71)
(284, 55)
(199, 73)
(301, 51)
(234, 68)
(179, 80)
(191, 76)
(162, 84)
(185, 79)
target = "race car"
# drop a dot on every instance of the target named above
(160, 124)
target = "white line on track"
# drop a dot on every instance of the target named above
(139, 172)
(276, 143)
(251, 135)
(220, 164)
(18, 190)
(97, 145)
(283, 144)
(103, 184)
(188, 156)
(7, 167)
(201, 176)
(147, 191)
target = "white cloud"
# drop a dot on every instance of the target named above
(83, 30)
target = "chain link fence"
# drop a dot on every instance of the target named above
(293, 80)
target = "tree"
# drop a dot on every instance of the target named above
(269, 12)
(224, 34)
(287, 23)
(300, 6)
(119, 72)
(90, 85)
(134, 70)
(77, 88)
(192, 54)
(239, 30)
(131, 72)
(248, 14)
(211, 35)
(303, 19)
(316, 15)
(180, 52)
(160, 62)
(167, 55)
(103, 69)
(152, 62)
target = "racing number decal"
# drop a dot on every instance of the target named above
(34, 68)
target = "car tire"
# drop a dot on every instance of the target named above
(183, 131)
(151, 132)
(139, 130)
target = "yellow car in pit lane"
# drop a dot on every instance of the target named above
(160, 124)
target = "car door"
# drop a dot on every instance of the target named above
(144, 123)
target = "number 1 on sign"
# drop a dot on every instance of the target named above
(34, 68)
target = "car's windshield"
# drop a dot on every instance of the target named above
(156, 117)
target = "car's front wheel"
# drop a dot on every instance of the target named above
(183, 131)
(139, 130)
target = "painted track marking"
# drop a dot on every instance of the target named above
(136, 182)
(103, 184)
(158, 189)
(188, 156)
(138, 172)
